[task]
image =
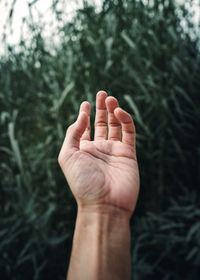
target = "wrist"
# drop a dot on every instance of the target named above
(106, 210)
(110, 220)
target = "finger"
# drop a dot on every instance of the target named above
(101, 116)
(74, 133)
(114, 126)
(85, 107)
(128, 128)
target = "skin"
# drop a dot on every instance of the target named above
(104, 178)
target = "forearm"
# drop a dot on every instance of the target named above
(101, 246)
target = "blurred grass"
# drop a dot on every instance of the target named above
(141, 54)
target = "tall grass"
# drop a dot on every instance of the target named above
(141, 54)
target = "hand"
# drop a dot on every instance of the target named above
(103, 172)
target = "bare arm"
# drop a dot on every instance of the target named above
(101, 246)
(103, 176)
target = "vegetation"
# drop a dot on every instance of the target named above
(146, 53)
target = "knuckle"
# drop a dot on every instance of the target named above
(114, 124)
(100, 124)
(129, 131)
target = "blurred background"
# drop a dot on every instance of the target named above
(55, 54)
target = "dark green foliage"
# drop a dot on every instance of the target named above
(166, 246)
(142, 55)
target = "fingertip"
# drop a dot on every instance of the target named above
(111, 103)
(102, 93)
(111, 98)
(122, 115)
(117, 110)
(85, 106)
(116, 113)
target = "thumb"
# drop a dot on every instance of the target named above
(76, 130)
(73, 135)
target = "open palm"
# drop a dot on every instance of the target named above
(103, 171)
